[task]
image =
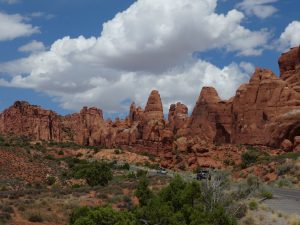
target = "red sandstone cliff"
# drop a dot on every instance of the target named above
(265, 111)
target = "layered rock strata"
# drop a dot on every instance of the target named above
(264, 111)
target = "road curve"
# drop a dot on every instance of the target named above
(285, 200)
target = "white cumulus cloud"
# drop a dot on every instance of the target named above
(259, 8)
(33, 46)
(290, 37)
(148, 46)
(13, 26)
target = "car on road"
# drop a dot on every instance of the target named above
(161, 170)
(203, 175)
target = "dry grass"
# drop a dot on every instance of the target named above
(293, 219)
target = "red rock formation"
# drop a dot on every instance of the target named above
(23, 119)
(211, 118)
(153, 109)
(155, 133)
(265, 111)
(135, 113)
(177, 118)
(289, 64)
(85, 128)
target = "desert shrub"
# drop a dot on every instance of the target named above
(253, 205)
(131, 175)
(72, 162)
(188, 203)
(141, 173)
(78, 155)
(248, 220)
(50, 180)
(95, 173)
(127, 199)
(61, 152)
(177, 204)
(64, 144)
(249, 157)
(283, 182)
(75, 186)
(6, 209)
(2, 140)
(49, 157)
(38, 146)
(288, 155)
(151, 165)
(4, 217)
(102, 216)
(284, 168)
(149, 155)
(35, 218)
(143, 192)
(125, 166)
(229, 162)
(239, 210)
(180, 202)
(266, 194)
(95, 148)
(3, 188)
(247, 188)
(14, 141)
(253, 155)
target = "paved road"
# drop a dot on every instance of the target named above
(285, 200)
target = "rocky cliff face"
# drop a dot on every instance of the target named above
(289, 64)
(265, 111)
(85, 128)
(23, 119)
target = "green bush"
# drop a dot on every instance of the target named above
(6, 209)
(240, 210)
(253, 205)
(179, 203)
(143, 192)
(267, 194)
(249, 157)
(61, 152)
(284, 182)
(50, 180)
(95, 173)
(125, 166)
(101, 216)
(141, 173)
(185, 203)
(49, 157)
(288, 155)
(131, 175)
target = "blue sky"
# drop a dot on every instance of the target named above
(175, 46)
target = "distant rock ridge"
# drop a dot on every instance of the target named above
(264, 111)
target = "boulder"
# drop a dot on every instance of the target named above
(286, 145)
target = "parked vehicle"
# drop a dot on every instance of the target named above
(162, 170)
(203, 175)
